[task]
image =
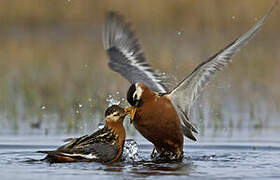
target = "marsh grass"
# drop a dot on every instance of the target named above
(54, 75)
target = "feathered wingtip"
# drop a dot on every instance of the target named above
(117, 30)
(184, 95)
(126, 55)
(118, 34)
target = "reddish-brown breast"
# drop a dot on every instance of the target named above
(119, 131)
(158, 122)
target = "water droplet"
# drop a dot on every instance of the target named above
(113, 100)
(100, 125)
(43, 107)
(118, 92)
(233, 17)
(212, 157)
(77, 112)
(80, 105)
(89, 99)
(179, 33)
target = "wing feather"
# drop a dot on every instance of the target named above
(126, 56)
(97, 146)
(185, 94)
(103, 135)
(103, 152)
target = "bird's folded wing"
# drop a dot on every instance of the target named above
(126, 56)
(101, 136)
(185, 94)
(102, 152)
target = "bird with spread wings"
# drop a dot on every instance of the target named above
(127, 58)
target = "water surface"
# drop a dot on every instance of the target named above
(212, 160)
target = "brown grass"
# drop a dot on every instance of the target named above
(51, 54)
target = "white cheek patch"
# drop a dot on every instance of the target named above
(112, 118)
(138, 92)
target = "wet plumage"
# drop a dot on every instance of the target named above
(104, 145)
(163, 116)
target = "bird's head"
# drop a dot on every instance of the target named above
(137, 94)
(115, 113)
(134, 94)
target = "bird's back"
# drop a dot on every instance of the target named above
(99, 146)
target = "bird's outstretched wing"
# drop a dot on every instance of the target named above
(126, 55)
(185, 94)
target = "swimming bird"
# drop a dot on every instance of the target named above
(104, 145)
(160, 115)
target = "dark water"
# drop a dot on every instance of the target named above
(215, 160)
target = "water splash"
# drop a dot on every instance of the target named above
(101, 125)
(114, 99)
(130, 150)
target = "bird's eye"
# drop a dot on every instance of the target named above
(116, 114)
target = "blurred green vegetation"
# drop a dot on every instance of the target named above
(53, 68)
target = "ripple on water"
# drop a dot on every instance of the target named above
(200, 161)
